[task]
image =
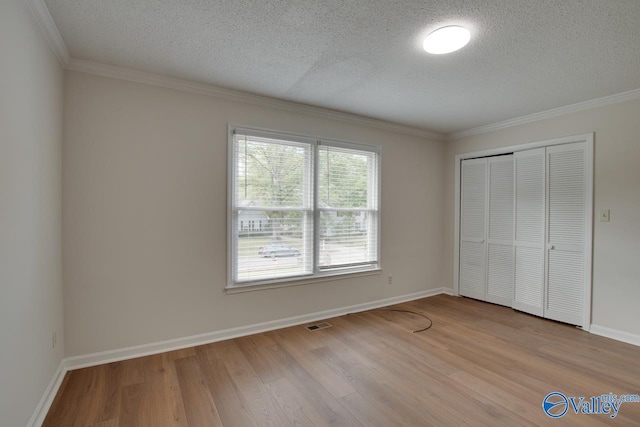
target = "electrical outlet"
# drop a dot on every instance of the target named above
(390, 280)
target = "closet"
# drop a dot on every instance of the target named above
(525, 229)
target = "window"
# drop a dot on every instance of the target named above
(316, 203)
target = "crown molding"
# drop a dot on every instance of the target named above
(41, 12)
(548, 114)
(154, 79)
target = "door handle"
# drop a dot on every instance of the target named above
(551, 247)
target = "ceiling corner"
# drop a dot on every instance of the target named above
(41, 13)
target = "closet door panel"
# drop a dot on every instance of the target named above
(529, 230)
(529, 279)
(473, 229)
(500, 274)
(472, 270)
(500, 231)
(474, 194)
(565, 292)
(529, 196)
(501, 198)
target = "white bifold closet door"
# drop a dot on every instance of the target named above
(473, 218)
(566, 225)
(529, 230)
(550, 218)
(500, 231)
(486, 229)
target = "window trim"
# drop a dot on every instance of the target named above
(317, 274)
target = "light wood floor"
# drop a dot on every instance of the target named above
(479, 365)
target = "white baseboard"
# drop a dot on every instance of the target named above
(615, 334)
(47, 398)
(109, 356)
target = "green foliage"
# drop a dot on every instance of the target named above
(343, 179)
(271, 174)
(277, 175)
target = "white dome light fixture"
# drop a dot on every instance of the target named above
(446, 40)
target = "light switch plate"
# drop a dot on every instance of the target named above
(604, 215)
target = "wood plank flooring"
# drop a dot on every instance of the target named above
(479, 365)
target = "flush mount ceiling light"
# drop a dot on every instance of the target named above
(446, 40)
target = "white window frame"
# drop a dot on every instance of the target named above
(317, 274)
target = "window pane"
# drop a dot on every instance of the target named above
(348, 201)
(272, 203)
(272, 173)
(280, 248)
(346, 178)
(347, 238)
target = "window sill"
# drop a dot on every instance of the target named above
(297, 281)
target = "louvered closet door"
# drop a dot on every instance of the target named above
(566, 210)
(472, 229)
(529, 230)
(500, 231)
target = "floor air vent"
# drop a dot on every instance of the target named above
(317, 326)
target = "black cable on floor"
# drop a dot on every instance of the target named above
(405, 311)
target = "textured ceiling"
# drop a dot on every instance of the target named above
(365, 56)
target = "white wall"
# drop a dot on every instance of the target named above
(144, 202)
(616, 266)
(31, 292)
